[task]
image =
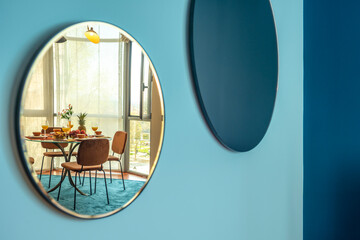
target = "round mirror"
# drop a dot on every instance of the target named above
(234, 57)
(90, 120)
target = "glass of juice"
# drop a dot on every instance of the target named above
(45, 126)
(94, 126)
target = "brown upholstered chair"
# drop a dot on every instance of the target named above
(52, 154)
(118, 146)
(91, 156)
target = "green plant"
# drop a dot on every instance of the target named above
(66, 113)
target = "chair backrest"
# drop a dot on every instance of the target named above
(93, 152)
(51, 145)
(119, 142)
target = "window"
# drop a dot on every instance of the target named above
(139, 111)
(140, 84)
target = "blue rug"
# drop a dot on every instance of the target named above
(96, 203)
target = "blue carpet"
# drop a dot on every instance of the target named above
(96, 203)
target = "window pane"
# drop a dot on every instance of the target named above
(140, 146)
(146, 90)
(135, 80)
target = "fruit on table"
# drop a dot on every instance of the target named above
(82, 121)
(59, 135)
(74, 133)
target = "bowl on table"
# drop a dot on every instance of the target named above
(59, 136)
(98, 133)
(81, 135)
(36, 134)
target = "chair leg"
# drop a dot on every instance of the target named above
(83, 178)
(110, 172)
(95, 181)
(107, 194)
(51, 168)
(79, 179)
(90, 182)
(62, 173)
(122, 174)
(42, 163)
(75, 191)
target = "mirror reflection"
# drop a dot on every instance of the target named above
(91, 119)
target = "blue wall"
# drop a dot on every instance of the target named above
(331, 120)
(199, 190)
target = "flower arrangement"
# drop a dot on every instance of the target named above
(66, 113)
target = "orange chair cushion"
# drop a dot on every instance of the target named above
(113, 158)
(58, 154)
(74, 166)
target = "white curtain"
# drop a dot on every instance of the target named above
(37, 105)
(91, 78)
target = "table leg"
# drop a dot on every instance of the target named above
(67, 159)
(58, 185)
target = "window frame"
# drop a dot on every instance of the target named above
(141, 116)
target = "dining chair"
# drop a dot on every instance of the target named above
(118, 146)
(52, 154)
(92, 154)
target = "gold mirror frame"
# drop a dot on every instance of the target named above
(30, 172)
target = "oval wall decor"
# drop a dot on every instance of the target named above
(90, 120)
(234, 61)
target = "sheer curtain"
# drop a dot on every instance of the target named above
(91, 78)
(37, 105)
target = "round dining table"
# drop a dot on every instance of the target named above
(57, 142)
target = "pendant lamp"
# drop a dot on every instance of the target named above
(92, 35)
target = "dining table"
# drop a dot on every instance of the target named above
(58, 142)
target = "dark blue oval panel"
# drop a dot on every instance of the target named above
(234, 58)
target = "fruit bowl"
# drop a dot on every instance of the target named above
(59, 135)
(76, 133)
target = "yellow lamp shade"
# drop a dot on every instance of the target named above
(92, 36)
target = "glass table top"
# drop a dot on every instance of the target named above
(70, 140)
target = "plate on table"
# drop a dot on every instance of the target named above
(36, 137)
(81, 139)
